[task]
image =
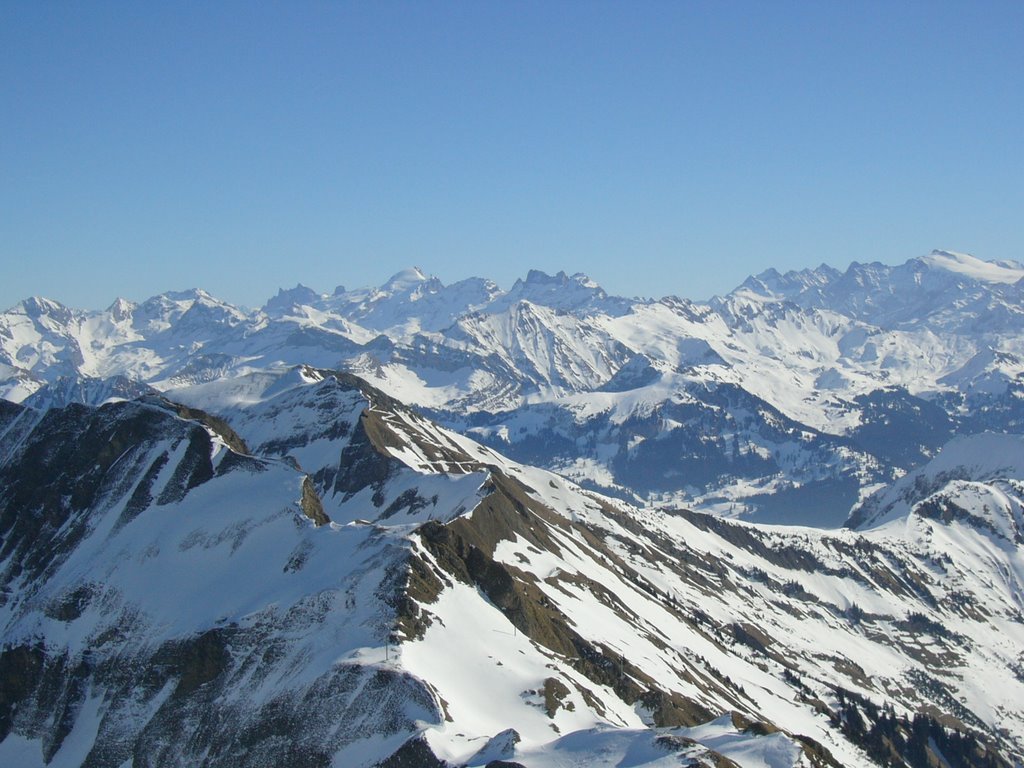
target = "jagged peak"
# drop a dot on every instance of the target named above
(121, 308)
(769, 274)
(535, 276)
(298, 290)
(538, 277)
(774, 284)
(559, 291)
(286, 298)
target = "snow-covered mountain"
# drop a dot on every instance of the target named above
(943, 291)
(987, 463)
(320, 575)
(790, 399)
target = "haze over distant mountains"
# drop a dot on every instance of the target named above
(456, 525)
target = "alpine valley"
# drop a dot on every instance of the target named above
(430, 525)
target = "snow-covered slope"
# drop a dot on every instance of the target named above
(352, 584)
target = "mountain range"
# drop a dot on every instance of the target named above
(454, 525)
(787, 401)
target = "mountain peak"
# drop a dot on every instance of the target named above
(558, 291)
(405, 279)
(36, 306)
(537, 277)
(121, 309)
(974, 268)
(774, 284)
(189, 294)
(291, 297)
(121, 304)
(298, 290)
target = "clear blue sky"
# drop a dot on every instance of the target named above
(661, 147)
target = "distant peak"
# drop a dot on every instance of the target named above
(300, 291)
(974, 268)
(287, 298)
(774, 285)
(405, 279)
(39, 305)
(938, 255)
(537, 277)
(299, 288)
(189, 294)
(121, 309)
(120, 304)
(558, 291)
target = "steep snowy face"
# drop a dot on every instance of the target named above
(551, 352)
(40, 334)
(802, 631)
(684, 616)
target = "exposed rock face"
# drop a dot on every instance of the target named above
(170, 595)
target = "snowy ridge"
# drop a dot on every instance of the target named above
(984, 458)
(284, 617)
(594, 632)
(975, 268)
